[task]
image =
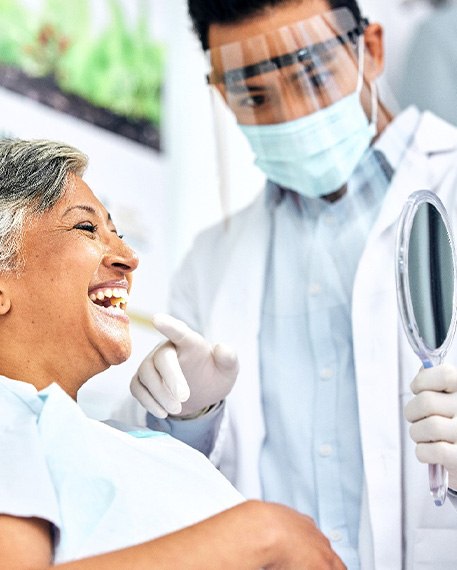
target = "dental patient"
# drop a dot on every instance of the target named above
(74, 492)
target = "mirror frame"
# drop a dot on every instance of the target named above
(429, 356)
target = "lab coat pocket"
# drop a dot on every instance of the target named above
(435, 549)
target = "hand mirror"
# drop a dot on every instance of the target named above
(426, 292)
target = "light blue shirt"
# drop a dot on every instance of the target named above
(311, 457)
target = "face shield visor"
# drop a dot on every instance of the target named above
(295, 93)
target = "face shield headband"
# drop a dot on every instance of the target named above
(289, 72)
(302, 56)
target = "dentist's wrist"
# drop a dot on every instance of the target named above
(198, 414)
(200, 432)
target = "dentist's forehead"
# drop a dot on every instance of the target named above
(268, 20)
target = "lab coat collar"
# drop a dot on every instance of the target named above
(429, 134)
(397, 136)
(424, 164)
(435, 135)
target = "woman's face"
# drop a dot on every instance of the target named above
(71, 296)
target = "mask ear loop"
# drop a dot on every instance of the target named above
(361, 58)
(373, 86)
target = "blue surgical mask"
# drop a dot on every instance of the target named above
(315, 155)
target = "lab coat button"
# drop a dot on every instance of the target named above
(325, 450)
(335, 536)
(326, 373)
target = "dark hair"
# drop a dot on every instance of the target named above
(206, 12)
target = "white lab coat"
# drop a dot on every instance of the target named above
(218, 291)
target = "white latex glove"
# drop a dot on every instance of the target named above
(184, 374)
(433, 414)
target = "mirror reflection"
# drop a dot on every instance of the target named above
(431, 275)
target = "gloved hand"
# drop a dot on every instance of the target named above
(185, 373)
(433, 414)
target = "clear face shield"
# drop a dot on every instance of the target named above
(296, 94)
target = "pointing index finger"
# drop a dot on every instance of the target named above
(174, 329)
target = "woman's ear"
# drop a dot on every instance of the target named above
(5, 300)
(374, 45)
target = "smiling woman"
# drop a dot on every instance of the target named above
(92, 260)
(80, 494)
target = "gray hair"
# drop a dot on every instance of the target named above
(33, 177)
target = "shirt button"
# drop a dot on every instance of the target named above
(329, 219)
(325, 450)
(314, 289)
(335, 535)
(326, 373)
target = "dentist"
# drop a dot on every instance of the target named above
(301, 285)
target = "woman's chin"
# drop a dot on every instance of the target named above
(117, 352)
(112, 336)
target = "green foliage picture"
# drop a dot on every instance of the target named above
(116, 69)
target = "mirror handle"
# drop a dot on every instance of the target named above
(437, 474)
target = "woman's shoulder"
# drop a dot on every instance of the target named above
(26, 484)
(18, 400)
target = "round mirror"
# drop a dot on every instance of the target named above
(426, 271)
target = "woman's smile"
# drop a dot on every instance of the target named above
(111, 297)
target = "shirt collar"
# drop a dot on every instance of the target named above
(274, 194)
(27, 392)
(23, 391)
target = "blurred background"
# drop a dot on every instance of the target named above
(124, 81)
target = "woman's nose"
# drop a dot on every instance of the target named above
(122, 257)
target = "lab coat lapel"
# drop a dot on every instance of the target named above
(376, 325)
(236, 320)
(376, 365)
(236, 310)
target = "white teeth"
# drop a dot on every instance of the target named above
(117, 293)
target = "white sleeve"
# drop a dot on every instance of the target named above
(26, 487)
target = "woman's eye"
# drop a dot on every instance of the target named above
(120, 236)
(86, 227)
